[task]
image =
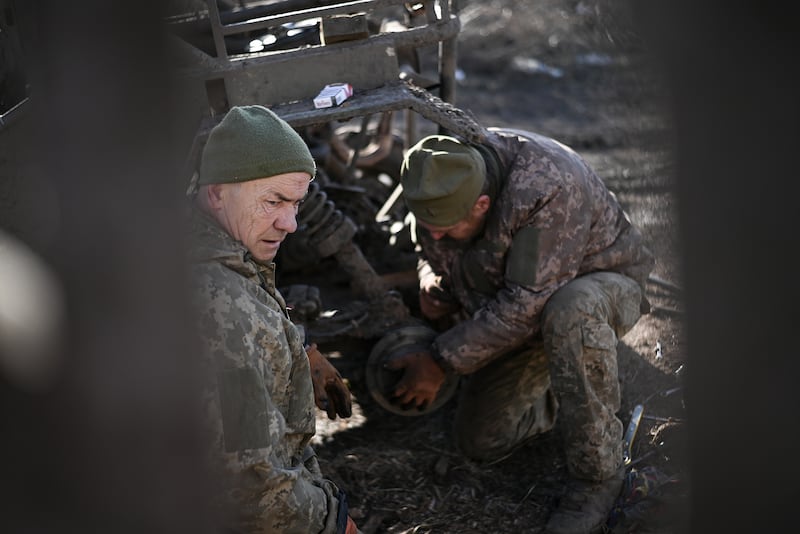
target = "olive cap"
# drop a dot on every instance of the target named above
(442, 178)
(252, 142)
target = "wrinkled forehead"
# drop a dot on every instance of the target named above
(290, 186)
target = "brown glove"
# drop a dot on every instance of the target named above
(351, 526)
(330, 392)
(422, 378)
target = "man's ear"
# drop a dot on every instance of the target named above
(214, 193)
(481, 205)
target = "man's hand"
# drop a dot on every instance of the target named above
(330, 392)
(433, 308)
(421, 380)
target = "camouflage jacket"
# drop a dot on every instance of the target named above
(259, 399)
(551, 219)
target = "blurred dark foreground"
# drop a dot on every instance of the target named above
(108, 440)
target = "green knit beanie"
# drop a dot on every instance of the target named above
(252, 142)
(442, 178)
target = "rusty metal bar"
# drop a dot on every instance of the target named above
(362, 276)
(391, 97)
(276, 20)
(447, 89)
(397, 96)
(413, 37)
(217, 30)
(448, 49)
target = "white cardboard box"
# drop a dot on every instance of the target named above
(333, 94)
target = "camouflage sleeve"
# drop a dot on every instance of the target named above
(268, 491)
(259, 404)
(545, 253)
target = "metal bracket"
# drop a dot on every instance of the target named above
(630, 434)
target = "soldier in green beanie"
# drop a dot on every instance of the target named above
(254, 173)
(531, 272)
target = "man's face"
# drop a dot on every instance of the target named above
(261, 213)
(463, 230)
(466, 228)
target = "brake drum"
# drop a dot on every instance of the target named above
(381, 381)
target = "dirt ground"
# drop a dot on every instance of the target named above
(580, 72)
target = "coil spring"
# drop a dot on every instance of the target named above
(316, 211)
(325, 227)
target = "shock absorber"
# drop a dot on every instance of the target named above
(324, 231)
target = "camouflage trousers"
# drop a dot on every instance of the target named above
(568, 371)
